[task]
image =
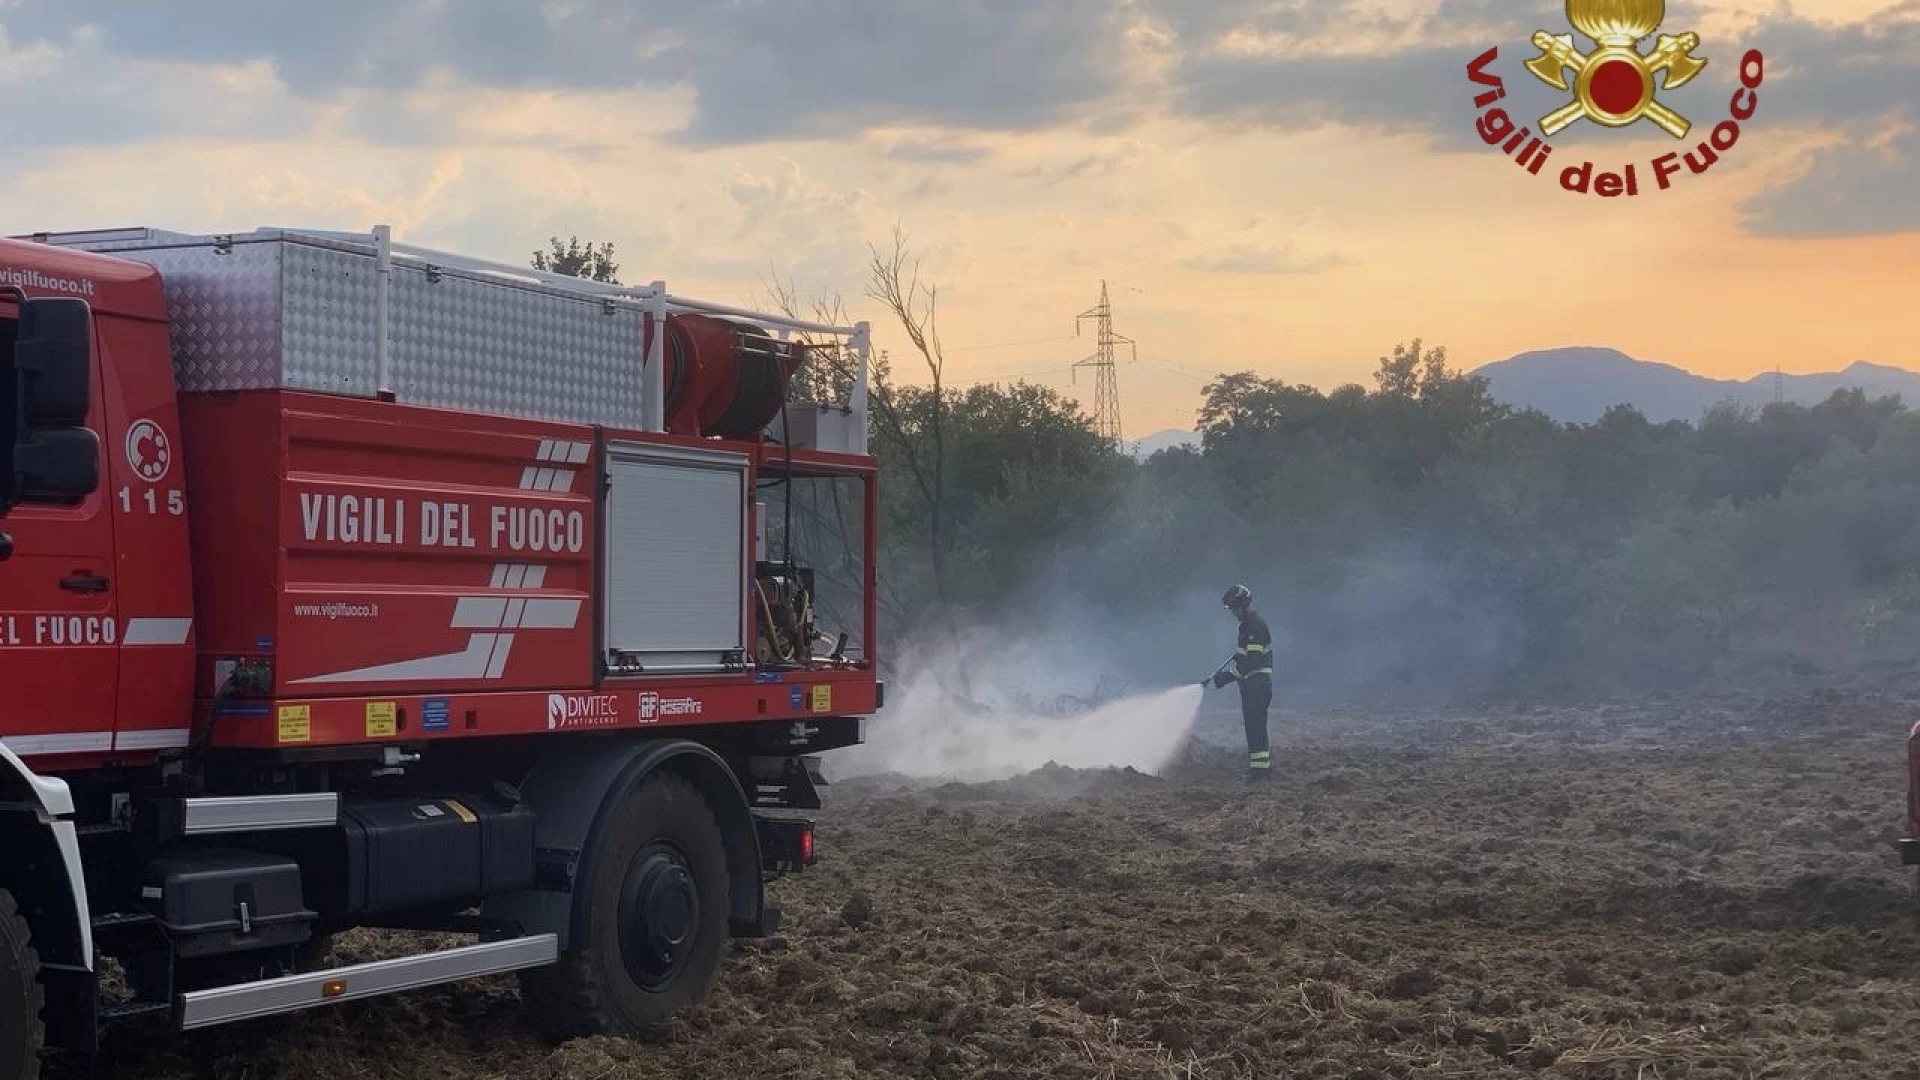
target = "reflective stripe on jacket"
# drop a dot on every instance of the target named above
(1253, 653)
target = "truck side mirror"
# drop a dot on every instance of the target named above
(53, 359)
(57, 464)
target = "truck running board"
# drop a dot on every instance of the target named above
(292, 993)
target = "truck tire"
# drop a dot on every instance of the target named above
(655, 925)
(22, 1029)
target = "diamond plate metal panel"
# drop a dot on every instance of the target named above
(225, 313)
(468, 344)
(327, 304)
(265, 311)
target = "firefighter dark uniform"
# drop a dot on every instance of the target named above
(1252, 668)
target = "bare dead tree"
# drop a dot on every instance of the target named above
(893, 279)
(828, 373)
(828, 376)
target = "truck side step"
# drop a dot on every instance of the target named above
(248, 813)
(292, 993)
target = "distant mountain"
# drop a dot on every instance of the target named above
(1577, 385)
(1162, 440)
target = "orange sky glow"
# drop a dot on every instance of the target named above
(1299, 250)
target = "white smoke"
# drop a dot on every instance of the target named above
(983, 709)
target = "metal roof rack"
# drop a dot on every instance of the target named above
(653, 299)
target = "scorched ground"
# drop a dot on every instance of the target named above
(1682, 889)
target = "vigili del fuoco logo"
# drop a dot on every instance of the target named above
(1617, 86)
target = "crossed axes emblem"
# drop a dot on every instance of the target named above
(1614, 84)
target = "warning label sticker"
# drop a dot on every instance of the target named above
(382, 720)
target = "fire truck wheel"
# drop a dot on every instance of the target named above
(656, 920)
(21, 1028)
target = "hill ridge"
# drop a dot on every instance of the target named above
(1577, 384)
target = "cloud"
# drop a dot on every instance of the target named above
(74, 92)
(1060, 163)
(1300, 67)
(788, 67)
(1291, 67)
(1259, 259)
(1848, 73)
(1855, 82)
(379, 44)
(757, 70)
(931, 151)
(1863, 186)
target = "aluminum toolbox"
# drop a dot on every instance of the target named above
(300, 311)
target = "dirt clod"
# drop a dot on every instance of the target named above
(857, 912)
(1406, 985)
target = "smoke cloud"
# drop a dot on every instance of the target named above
(983, 706)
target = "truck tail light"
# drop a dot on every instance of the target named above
(786, 844)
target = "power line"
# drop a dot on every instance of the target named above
(1106, 394)
(1010, 344)
(1185, 373)
(1175, 367)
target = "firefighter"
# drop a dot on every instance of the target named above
(1252, 668)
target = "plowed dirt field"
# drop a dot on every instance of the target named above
(1699, 888)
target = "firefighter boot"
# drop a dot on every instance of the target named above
(1259, 766)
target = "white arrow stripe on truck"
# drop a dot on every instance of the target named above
(73, 742)
(156, 632)
(485, 656)
(472, 663)
(502, 613)
(563, 451)
(155, 739)
(97, 742)
(559, 452)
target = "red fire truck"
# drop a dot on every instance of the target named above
(351, 584)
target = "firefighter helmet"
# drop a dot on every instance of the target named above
(1237, 597)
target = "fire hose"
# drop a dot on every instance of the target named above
(1208, 681)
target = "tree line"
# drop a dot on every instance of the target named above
(1413, 537)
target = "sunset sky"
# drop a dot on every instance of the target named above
(1287, 187)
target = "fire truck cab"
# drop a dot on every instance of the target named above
(348, 584)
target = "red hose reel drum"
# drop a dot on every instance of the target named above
(723, 378)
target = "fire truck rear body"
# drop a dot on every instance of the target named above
(411, 570)
(444, 576)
